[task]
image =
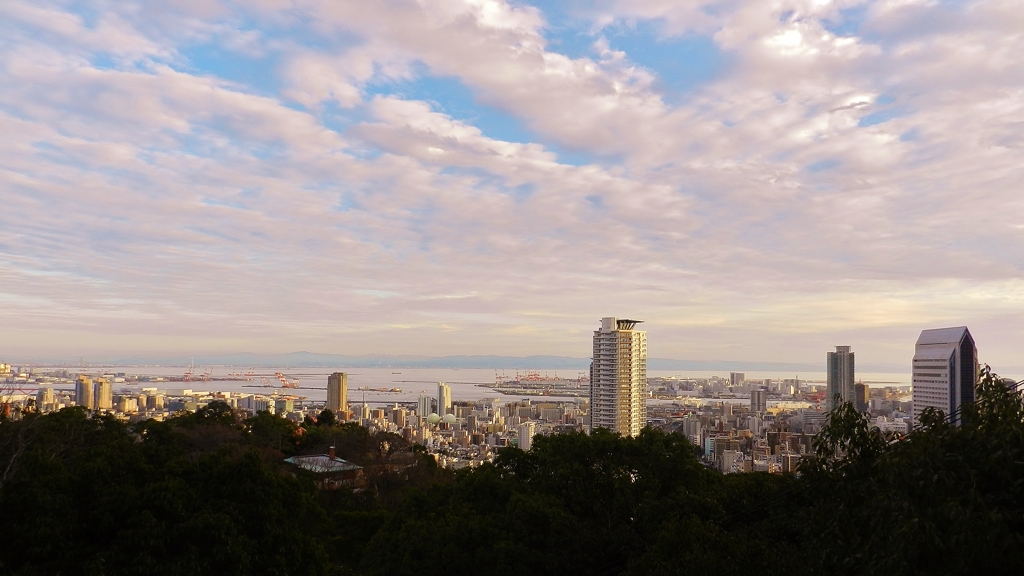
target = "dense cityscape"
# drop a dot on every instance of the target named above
(735, 424)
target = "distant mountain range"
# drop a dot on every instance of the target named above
(312, 359)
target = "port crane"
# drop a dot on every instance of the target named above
(285, 382)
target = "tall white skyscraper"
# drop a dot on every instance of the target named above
(839, 377)
(618, 377)
(945, 370)
(444, 398)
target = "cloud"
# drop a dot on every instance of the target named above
(853, 172)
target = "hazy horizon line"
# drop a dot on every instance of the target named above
(473, 361)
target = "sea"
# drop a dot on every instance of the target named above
(391, 385)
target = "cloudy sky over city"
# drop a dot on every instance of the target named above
(757, 180)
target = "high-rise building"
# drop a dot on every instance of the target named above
(444, 399)
(759, 400)
(423, 408)
(398, 416)
(618, 377)
(526, 433)
(945, 371)
(840, 371)
(737, 378)
(337, 393)
(862, 396)
(45, 398)
(103, 395)
(83, 392)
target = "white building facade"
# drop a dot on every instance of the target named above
(945, 371)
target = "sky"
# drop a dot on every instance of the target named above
(756, 180)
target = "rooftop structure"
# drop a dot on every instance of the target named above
(323, 464)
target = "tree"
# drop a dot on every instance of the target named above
(272, 431)
(96, 496)
(946, 499)
(326, 418)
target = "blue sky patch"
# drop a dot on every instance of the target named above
(449, 96)
(573, 157)
(103, 62)
(207, 201)
(912, 135)
(881, 117)
(257, 73)
(347, 202)
(822, 165)
(682, 64)
(848, 22)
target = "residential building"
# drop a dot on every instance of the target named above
(840, 371)
(526, 433)
(759, 401)
(103, 395)
(618, 377)
(84, 392)
(945, 371)
(424, 407)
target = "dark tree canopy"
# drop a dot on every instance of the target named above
(208, 493)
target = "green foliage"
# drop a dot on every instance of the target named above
(575, 503)
(326, 418)
(91, 495)
(351, 441)
(947, 499)
(266, 429)
(217, 411)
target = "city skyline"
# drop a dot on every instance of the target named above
(759, 181)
